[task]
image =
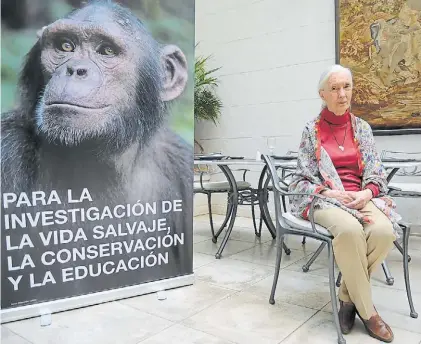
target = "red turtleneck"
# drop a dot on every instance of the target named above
(346, 161)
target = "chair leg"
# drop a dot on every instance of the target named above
(257, 232)
(341, 339)
(286, 249)
(304, 240)
(306, 267)
(406, 232)
(338, 281)
(224, 223)
(210, 217)
(389, 278)
(400, 249)
(279, 247)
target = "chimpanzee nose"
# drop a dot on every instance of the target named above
(81, 71)
(77, 79)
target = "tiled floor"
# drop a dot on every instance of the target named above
(229, 302)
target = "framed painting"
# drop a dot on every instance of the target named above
(380, 41)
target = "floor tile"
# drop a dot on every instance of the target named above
(295, 242)
(414, 243)
(265, 254)
(200, 238)
(247, 234)
(300, 289)
(201, 225)
(109, 323)
(320, 329)
(180, 303)
(246, 318)
(232, 274)
(319, 267)
(395, 265)
(8, 337)
(246, 222)
(232, 247)
(229, 302)
(201, 259)
(243, 230)
(180, 334)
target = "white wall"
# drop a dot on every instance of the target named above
(271, 53)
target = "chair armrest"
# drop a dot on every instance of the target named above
(313, 202)
(244, 173)
(272, 170)
(311, 214)
(393, 188)
(202, 173)
(201, 179)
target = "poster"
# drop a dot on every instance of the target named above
(381, 42)
(96, 147)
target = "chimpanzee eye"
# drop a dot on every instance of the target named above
(107, 50)
(65, 45)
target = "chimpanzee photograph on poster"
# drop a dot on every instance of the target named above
(96, 146)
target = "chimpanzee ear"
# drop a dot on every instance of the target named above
(175, 72)
(40, 31)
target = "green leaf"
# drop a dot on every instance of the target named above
(207, 104)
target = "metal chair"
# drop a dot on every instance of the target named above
(287, 224)
(210, 187)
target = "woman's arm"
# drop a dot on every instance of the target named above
(374, 173)
(306, 177)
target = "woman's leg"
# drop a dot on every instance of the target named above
(350, 247)
(379, 238)
(358, 251)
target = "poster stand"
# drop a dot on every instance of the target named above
(96, 154)
(20, 313)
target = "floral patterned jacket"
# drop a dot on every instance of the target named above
(316, 172)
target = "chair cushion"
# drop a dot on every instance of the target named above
(300, 223)
(407, 187)
(220, 186)
(281, 185)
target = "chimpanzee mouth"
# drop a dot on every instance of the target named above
(74, 105)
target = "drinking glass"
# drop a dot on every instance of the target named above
(271, 143)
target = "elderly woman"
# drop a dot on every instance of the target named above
(338, 159)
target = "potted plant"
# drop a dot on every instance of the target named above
(207, 104)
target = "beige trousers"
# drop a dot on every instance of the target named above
(359, 250)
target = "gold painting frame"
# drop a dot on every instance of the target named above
(380, 41)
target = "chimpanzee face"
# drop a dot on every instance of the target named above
(105, 76)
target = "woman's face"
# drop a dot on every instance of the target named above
(338, 93)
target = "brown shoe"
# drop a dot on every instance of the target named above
(377, 328)
(347, 314)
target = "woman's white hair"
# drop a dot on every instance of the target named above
(326, 75)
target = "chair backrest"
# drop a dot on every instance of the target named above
(278, 193)
(412, 171)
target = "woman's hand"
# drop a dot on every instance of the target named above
(345, 197)
(361, 199)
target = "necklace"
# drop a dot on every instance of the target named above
(341, 147)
